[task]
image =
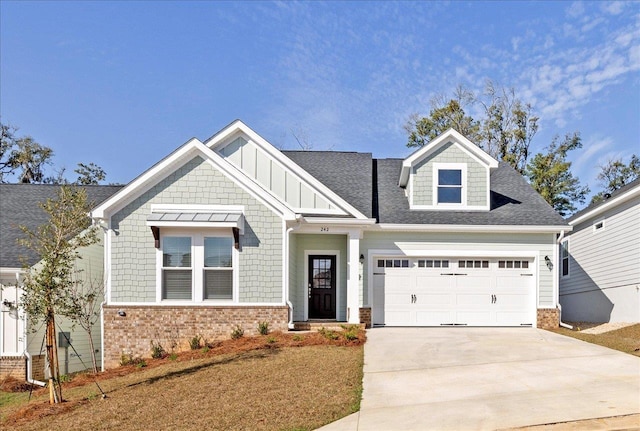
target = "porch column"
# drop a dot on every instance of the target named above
(353, 266)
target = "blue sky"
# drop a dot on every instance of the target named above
(123, 84)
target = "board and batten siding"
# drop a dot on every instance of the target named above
(318, 242)
(604, 268)
(540, 245)
(476, 185)
(133, 261)
(258, 165)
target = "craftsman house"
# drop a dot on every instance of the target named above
(232, 231)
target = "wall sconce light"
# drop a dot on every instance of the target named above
(122, 313)
(362, 258)
(9, 304)
(548, 262)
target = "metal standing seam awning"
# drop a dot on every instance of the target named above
(233, 220)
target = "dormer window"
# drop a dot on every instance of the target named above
(450, 186)
(448, 181)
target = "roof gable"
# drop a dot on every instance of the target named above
(278, 174)
(618, 197)
(450, 136)
(212, 152)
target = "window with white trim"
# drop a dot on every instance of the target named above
(177, 273)
(564, 258)
(449, 184)
(197, 266)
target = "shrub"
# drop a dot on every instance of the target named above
(205, 349)
(263, 328)
(173, 356)
(328, 334)
(297, 337)
(238, 332)
(157, 351)
(194, 342)
(271, 340)
(351, 336)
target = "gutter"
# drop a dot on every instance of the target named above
(560, 322)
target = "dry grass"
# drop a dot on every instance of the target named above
(625, 339)
(256, 384)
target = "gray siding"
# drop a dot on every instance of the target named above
(602, 265)
(476, 185)
(76, 358)
(133, 267)
(318, 242)
(476, 243)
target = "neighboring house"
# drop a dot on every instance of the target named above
(600, 260)
(21, 349)
(231, 232)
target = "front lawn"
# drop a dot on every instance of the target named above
(274, 382)
(625, 339)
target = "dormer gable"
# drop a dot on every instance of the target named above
(449, 173)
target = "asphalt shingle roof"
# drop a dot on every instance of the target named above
(348, 174)
(513, 202)
(19, 206)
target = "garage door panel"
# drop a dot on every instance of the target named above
(473, 294)
(473, 318)
(433, 317)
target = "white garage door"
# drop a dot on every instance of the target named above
(453, 291)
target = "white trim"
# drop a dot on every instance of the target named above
(223, 137)
(450, 135)
(197, 266)
(612, 202)
(565, 239)
(555, 274)
(339, 221)
(207, 303)
(178, 208)
(469, 228)
(184, 154)
(308, 253)
(435, 185)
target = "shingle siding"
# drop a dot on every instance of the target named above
(476, 184)
(133, 266)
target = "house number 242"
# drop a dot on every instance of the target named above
(324, 229)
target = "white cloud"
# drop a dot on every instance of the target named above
(576, 9)
(613, 8)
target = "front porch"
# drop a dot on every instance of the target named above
(325, 277)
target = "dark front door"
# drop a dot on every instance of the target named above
(322, 287)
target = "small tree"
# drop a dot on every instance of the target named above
(85, 299)
(550, 175)
(49, 285)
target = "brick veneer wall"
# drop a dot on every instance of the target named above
(16, 367)
(548, 318)
(365, 316)
(175, 325)
(13, 366)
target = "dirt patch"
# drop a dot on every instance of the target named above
(11, 384)
(599, 328)
(625, 339)
(277, 381)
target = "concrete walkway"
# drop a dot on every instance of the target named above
(488, 379)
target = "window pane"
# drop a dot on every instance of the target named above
(176, 252)
(445, 264)
(461, 264)
(176, 284)
(565, 266)
(405, 263)
(421, 264)
(218, 284)
(449, 177)
(381, 263)
(217, 252)
(525, 264)
(452, 195)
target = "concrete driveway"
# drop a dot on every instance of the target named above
(488, 378)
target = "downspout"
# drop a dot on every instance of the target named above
(560, 322)
(286, 280)
(29, 361)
